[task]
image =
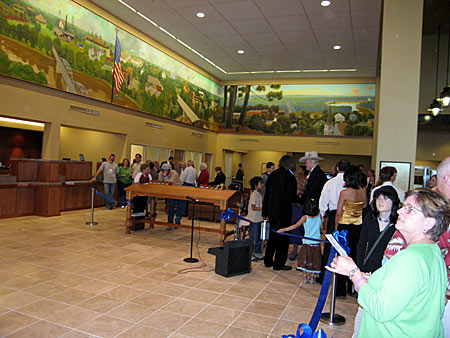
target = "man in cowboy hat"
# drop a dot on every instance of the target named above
(316, 178)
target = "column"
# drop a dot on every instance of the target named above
(51, 140)
(398, 100)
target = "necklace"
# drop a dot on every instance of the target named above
(383, 220)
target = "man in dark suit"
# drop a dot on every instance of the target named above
(281, 191)
(316, 178)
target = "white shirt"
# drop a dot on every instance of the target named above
(400, 191)
(256, 199)
(189, 175)
(135, 169)
(330, 193)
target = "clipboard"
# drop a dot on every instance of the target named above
(336, 245)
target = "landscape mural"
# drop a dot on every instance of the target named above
(335, 109)
(59, 44)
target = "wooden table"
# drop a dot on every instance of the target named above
(220, 198)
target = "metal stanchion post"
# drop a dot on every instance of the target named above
(331, 318)
(91, 223)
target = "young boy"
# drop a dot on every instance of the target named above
(254, 215)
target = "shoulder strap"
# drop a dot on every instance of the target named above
(372, 249)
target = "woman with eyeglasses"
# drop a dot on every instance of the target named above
(406, 296)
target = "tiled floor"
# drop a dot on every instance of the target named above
(62, 278)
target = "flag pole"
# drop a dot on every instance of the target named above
(114, 62)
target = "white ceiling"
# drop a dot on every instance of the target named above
(275, 34)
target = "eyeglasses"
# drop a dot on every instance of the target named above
(408, 208)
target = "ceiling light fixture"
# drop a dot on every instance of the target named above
(435, 106)
(445, 94)
(337, 47)
(200, 15)
(427, 118)
(325, 3)
(241, 51)
(30, 123)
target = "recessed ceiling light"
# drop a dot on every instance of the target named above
(325, 3)
(337, 47)
(241, 51)
(427, 117)
(200, 15)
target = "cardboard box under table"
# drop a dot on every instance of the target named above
(220, 198)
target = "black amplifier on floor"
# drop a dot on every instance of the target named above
(234, 258)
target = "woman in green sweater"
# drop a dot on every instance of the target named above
(124, 181)
(406, 296)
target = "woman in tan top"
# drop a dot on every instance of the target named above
(351, 202)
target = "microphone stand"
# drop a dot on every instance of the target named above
(190, 259)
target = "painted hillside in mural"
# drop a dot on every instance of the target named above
(60, 44)
(338, 109)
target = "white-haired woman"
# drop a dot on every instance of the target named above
(406, 296)
(203, 178)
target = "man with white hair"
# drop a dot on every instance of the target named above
(316, 177)
(167, 174)
(443, 187)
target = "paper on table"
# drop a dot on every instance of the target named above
(336, 245)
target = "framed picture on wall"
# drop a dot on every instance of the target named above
(263, 167)
(403, 173)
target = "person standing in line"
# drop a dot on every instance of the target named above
(270, 167)
(281, 192)
(110, 171)
(316, 177)
(167, 174)
(124, 181)
(181, 167)
(153, 171)
(254, 215)
(220, 177)
(188, 176)
(388, 176)
(136, 167)
(203, 178)
(240, 173)
(328, 201)
(309, 253)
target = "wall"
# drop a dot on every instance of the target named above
(19, 143)
(433, 145)
(252, 162)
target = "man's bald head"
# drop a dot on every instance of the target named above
(443, 177)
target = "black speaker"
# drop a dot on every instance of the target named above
(234, 258)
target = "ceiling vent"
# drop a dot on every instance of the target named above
(84, 110)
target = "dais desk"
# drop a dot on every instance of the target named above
(220, 198)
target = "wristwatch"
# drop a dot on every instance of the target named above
(352, 273)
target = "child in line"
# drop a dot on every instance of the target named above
(254, 215)
(309, 253)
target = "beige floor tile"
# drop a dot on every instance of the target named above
(105, 326)
(296, 314)
(234, 332)
(218, 314)
(101, 304)
(13, 321)
(42, 329)
(201, 329)
(153, 300)
(184, 307)
(213, 286)
(187, 281)
(232, 302)
(17, 299)
(117, 277)
(71, 280)
(22, 282)
(200, 296)
(43, 308)
(242, 291)
(141, 331)
(285, 327)
(123, 293)
(46, 289)
(164, 320)
(255, 322)
(146, 284)
(274, 297)
(5, 290)
(72, 296)
(171, 289)
(96, 286)
(73, 316)
(131, 312)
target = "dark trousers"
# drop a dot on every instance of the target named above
(122, 193)
(327, 246)
(278, 245)
(343, 283)
(139, 203)
(185, 204)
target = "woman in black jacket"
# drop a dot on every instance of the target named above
(377, 229)
(281, 192)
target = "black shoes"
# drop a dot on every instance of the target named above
(284, 268)
(268, 265)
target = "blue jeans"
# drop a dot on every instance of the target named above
(254, 234)
(171, 211)
(109, 192)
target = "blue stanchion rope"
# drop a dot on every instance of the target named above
(103, 196)
(341, 238)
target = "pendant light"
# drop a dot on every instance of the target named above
(445, 94)
(435, 106)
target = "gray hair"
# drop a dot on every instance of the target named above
(203, 166)
(190, 163)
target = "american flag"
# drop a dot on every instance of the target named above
(117, 69)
